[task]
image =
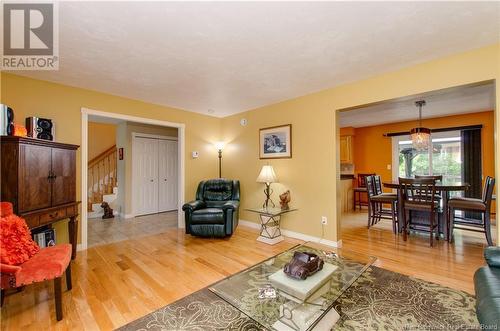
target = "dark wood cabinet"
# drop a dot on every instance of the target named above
(64, 181)
(34, 188)
(39, 179)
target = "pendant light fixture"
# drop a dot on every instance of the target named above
(420, 136)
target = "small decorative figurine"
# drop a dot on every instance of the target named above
(303, 265)
(284, 200)
(108, 212)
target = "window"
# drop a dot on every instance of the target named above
(442, 158)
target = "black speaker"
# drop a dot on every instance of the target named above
(6, 121)
(40, 128)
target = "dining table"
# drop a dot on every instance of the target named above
(445, 188)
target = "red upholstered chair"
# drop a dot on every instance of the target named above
(46, 264)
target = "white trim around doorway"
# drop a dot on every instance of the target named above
(84, 161)
(152, 136)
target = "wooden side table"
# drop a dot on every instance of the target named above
(270, 219)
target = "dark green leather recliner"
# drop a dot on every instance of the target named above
(487, 287)
(214, 213)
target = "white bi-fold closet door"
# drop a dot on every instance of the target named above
(155, 175)
(167, 175)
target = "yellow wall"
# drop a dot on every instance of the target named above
(101, 136)
(313, 173)
(62, 103)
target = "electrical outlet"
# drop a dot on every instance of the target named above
(324, 220)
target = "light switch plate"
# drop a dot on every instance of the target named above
(195, 155)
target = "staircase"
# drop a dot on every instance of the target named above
(102, 183)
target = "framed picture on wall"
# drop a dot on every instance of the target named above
(275, 142)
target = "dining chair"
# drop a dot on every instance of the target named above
(376, 201)
(378, 187)
(437, 178)
(481, 206)
(418, 195)
(360, 190)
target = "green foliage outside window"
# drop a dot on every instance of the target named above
(445, 161)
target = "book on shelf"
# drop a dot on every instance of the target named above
(45, 237)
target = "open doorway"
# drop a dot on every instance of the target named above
(135, 167)
(132, 179)
(375, 139)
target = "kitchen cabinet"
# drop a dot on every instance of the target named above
(346, 195)
(346, 149)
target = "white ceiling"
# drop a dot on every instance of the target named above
(235, 56)
(453, 101)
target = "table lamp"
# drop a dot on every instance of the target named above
(267, 176)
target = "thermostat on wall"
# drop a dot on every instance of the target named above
(195, 155)
(243, 122)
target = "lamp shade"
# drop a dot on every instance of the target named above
(219, 145)
(267, 175)
(420, 138)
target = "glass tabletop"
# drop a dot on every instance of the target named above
(259, 291)
(270, 211)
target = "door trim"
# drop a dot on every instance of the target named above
(152, 136)
(181, 132)
(147, 136)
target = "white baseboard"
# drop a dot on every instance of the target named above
(79, 247)
(296, 235)
(122, 215)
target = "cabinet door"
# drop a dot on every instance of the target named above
(64, 168)
(34, 184)
(145, 175)
(167, 175)
(345, 149)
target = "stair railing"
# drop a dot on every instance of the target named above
(101, 175)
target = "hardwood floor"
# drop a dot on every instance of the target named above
(119, 282)
(451, 265)
(116, 283)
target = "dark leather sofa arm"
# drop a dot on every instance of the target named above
(492, 256)
(231, 204)
(194, 205)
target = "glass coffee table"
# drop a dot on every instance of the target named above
(254, 293)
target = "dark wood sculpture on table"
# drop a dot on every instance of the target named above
(108, 212)
(285, 200)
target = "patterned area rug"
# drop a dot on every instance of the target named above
(378, 300)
